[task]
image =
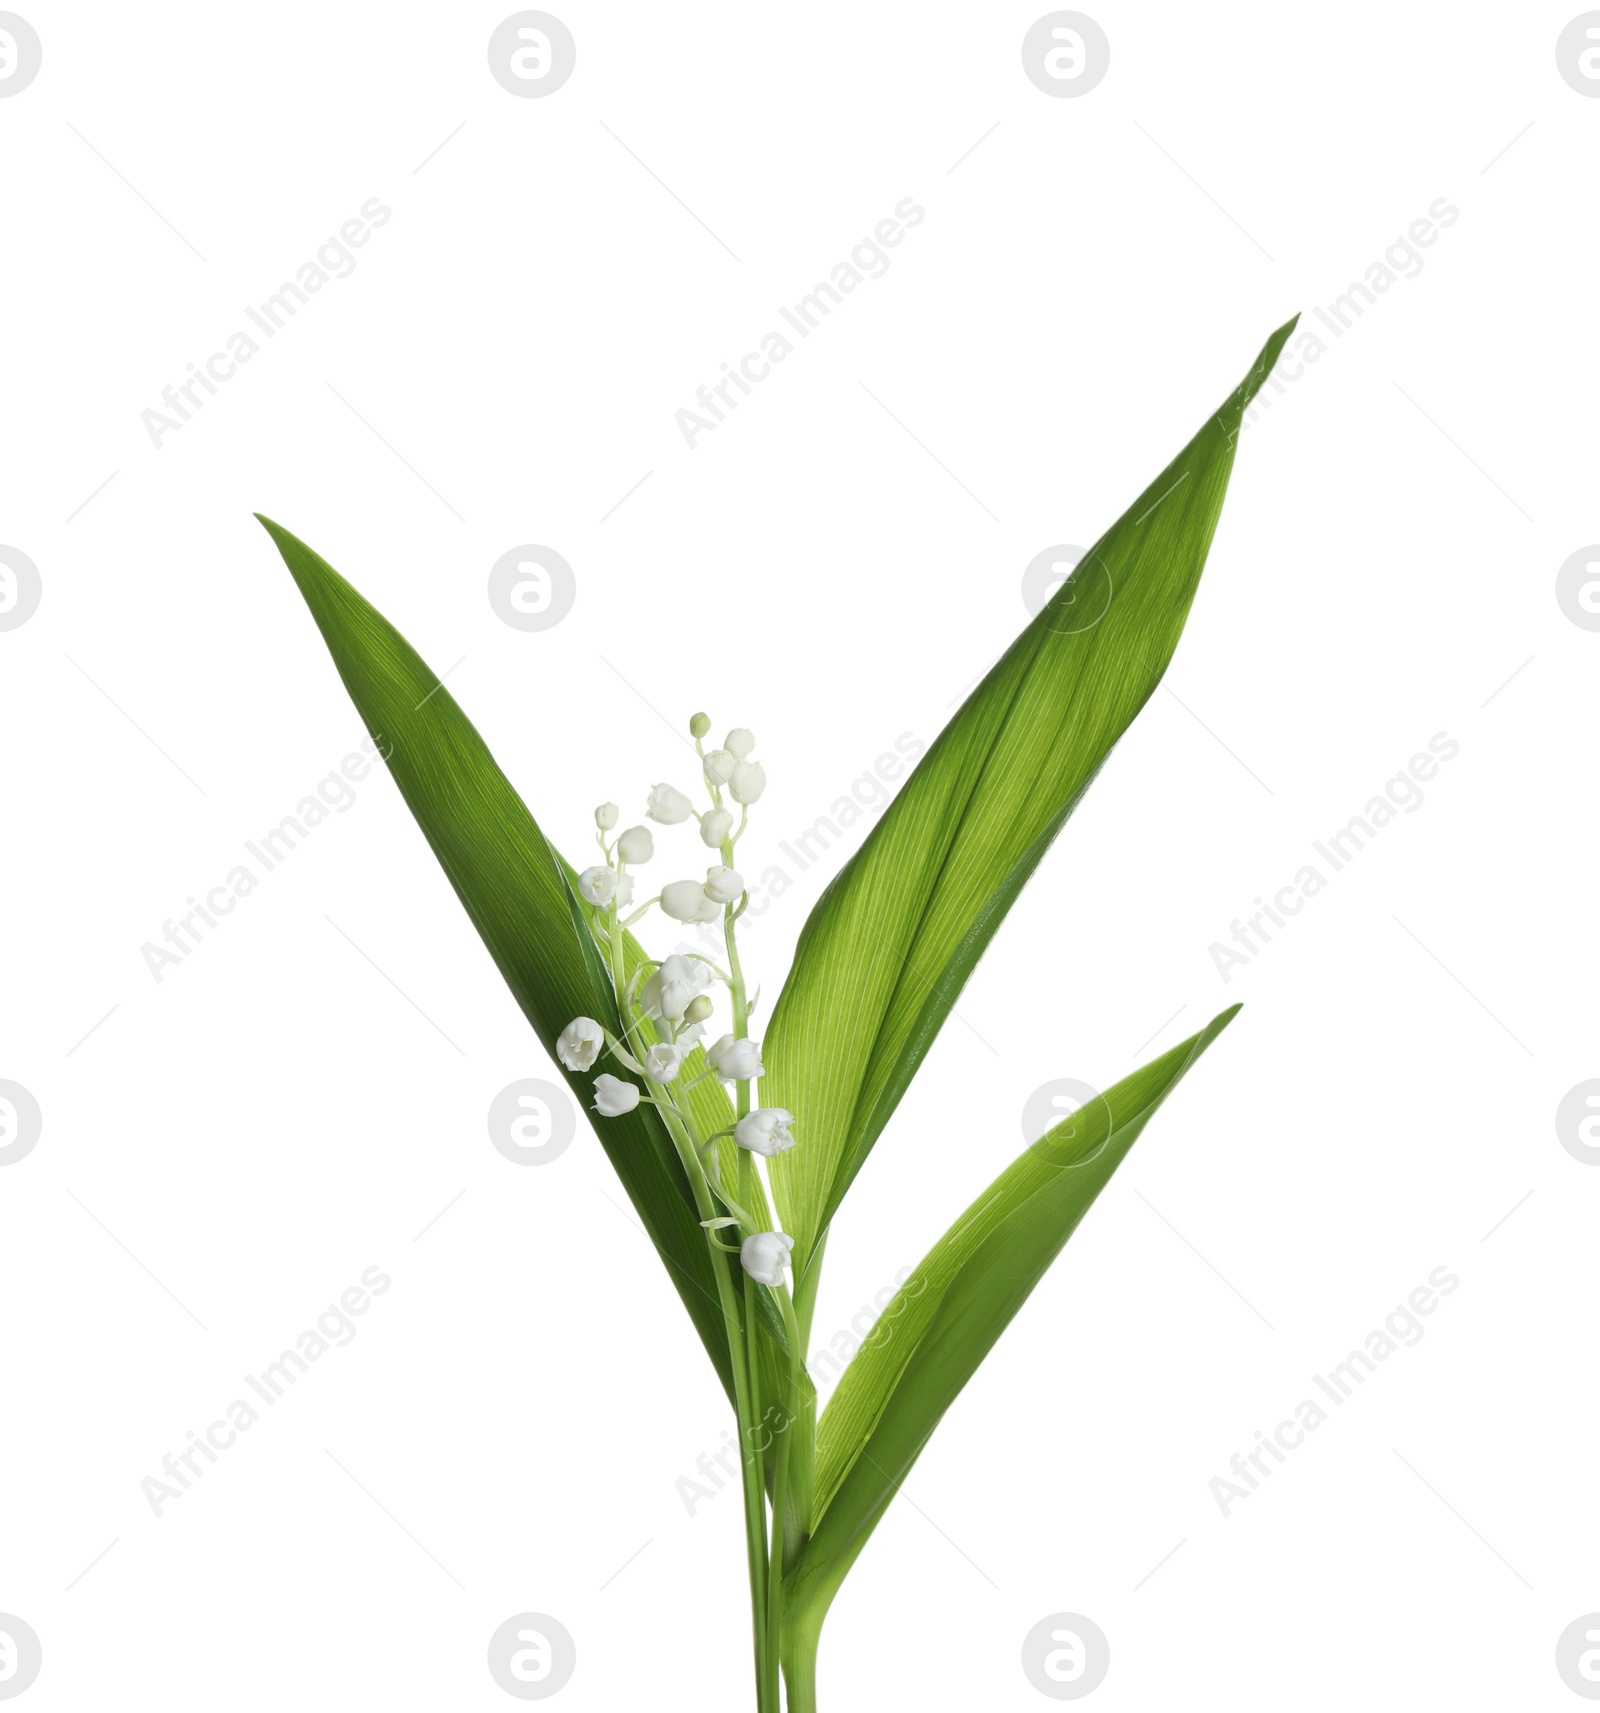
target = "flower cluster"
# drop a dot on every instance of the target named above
(664, 1007)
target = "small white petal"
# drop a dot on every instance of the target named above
(662, 1062)
(765, 1131)
(597, 885)
(579, 1044)
(765, 1256)
(613, 1097)
(724, 884)
(715, 826)
(748, 782)
(636, 845)
(688, 901)
(668, 806)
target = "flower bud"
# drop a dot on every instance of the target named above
(715, 826)
(765, 1131)
(739, 742)
(636, 845)
(613, 1097)
(605, 817)
(719, 766)
(687, 901)
(597, 885)
(724, 884)
(699, 1010)
(735, 1059)
(765, 1256)
(668, 806)
(699, 725)
(579, 1044)
(748, 782)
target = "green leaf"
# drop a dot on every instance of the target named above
(516, 891)
(946, 1317)
(889, 946)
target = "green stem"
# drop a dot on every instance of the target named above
(780, 1498)
(680, 1128)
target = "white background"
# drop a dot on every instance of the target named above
(275, 1115)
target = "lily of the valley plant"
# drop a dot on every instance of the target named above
(686, 1100)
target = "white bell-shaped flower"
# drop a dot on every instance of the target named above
(668, 806)
(765, 1131)
(579, 1044)
(636, 845)
(613, 1097)
(719, 766)
(663, 1061)
(605, 817)
(598, 885)
(739, 742)
(724, 885)
(688, 901)
(765, 1256)
(675, 971)
(715, 826)
(735, 1059)
(748, 782)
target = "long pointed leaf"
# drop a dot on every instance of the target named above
(515, 891)
(947, 1316)
(889, 946)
